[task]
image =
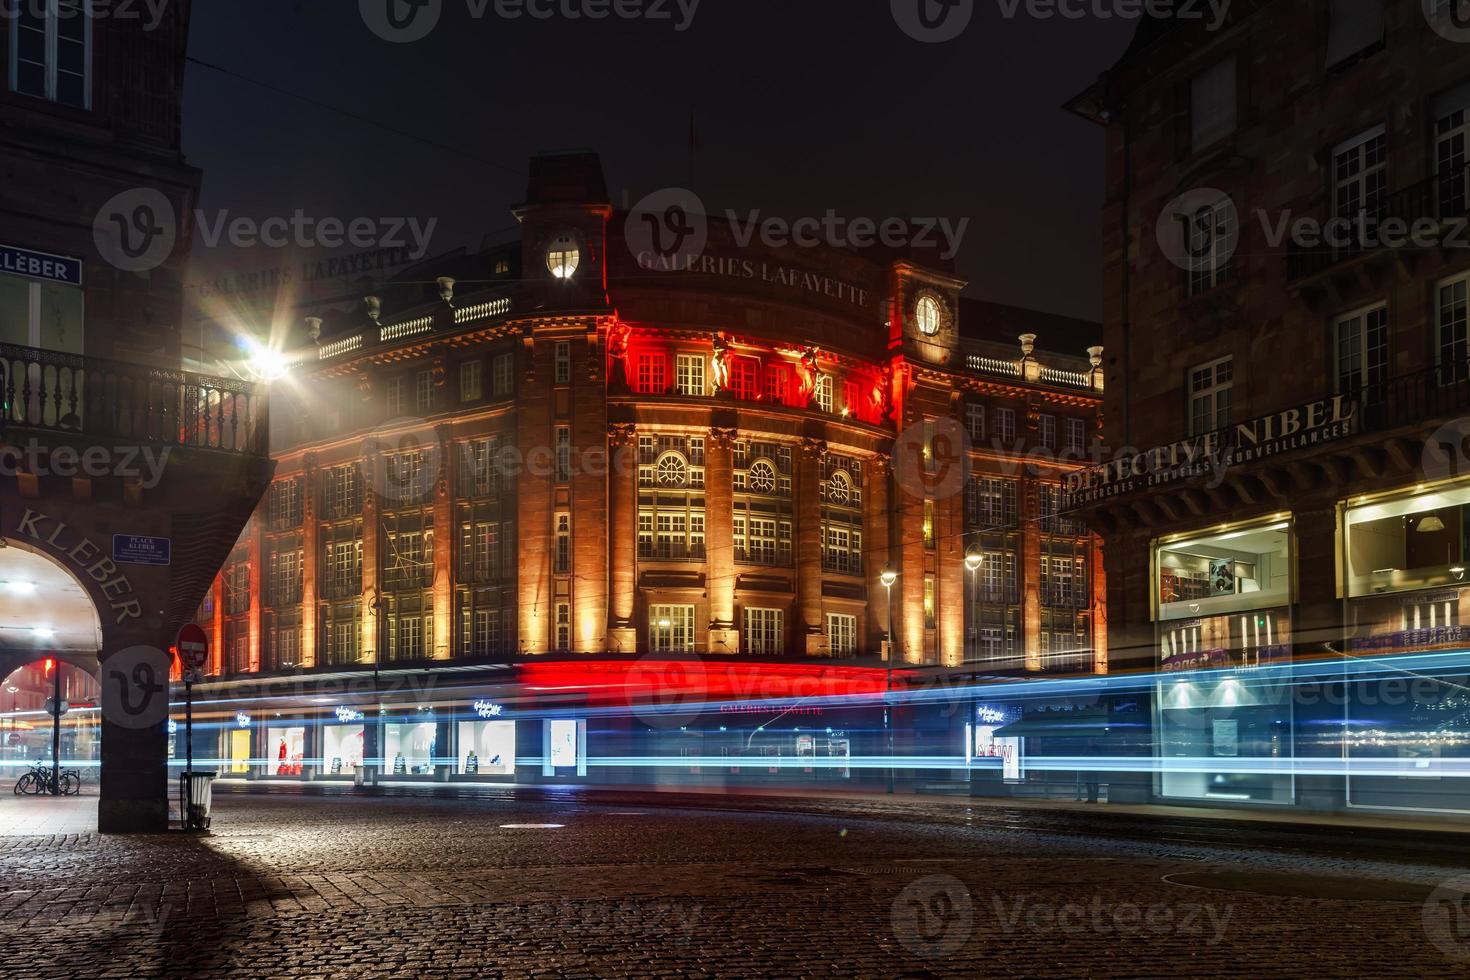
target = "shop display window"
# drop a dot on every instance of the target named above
(285, 750)
(487, 748)
(342, 749)
(409, 749)
(1406, 543)
(1232, 571)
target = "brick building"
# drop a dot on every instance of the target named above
(573, 454)
(123, 480)
(1287, 363)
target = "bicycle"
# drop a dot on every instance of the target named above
(38, 781)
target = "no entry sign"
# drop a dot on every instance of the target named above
(193, 646)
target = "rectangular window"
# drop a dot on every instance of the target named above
(744, 378)
(563, 639)
(469, 381)
(841, 635)
(342, 488)
(1076, 437)
(1005, 426)
(991, 503)
(1451, 112)
(1212, 105)
(481, 557)
(929, 602)
(765, 631)
(975, 422)
(563, 561)
(1454, 333)
(423, 391)
(1360, 180)
(563, 454)
(563, 362)
(689, 375)
(51, 51)
(778, 383)
(671, 629)
(824, 393)
(651, 378)
(1354, 27)
(479, 468)
(285, 504)
(1240, 569)
(1362, 351)
(1209, 396)
(503, 375)
(395, 391)
(929, 525)
(1209, 235)
(285, 577)
(1046, 431)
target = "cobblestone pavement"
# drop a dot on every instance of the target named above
(408, 887)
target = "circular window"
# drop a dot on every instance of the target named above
(926, 315)
(562, 257)
(839, 488)
(761, 477)
(672, 470)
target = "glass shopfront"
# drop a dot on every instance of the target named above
(408, 749)
(238, 751)
(1223, 601)
(487, 748)
(1404, 571)
(285, 750)
(342, 749)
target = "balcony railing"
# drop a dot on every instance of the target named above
(670, 551)
(842, 562)
(1427, 205)
(115, 400)
(1437, 392)
(780, 557)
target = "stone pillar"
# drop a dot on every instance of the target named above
(310, 559)
(371, 615)
(444, 546)
(1030, 561)
(217, 649)
(809, 637)
(878, 554)
(254, 549)
(949, 578)
(622, 630)
(134, 784)
(719, 537)
(1099, 603)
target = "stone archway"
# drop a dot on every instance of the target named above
(45, 611)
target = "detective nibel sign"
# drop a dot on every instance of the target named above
(1212, 453)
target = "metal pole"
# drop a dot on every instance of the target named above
(188, 727)
(56, 728)
(887, 707)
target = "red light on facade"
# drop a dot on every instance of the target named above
(48, 665)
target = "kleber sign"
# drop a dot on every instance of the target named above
(1215, 452)
(18, 261)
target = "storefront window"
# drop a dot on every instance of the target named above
(1405, 571)
(285, 750)
(239, 750)
(487, 748)
(409, 749)
(1224, 601)
(342, 749)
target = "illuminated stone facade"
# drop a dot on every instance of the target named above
(720, 457)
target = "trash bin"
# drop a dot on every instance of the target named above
(197, 791)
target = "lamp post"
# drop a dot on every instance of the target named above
(888, 576)
(973, 560)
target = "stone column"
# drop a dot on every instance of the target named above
(949, 578)
(254, 550)
(622, 630)
(1030, 561)
(809, 637)
(719, 537)
(370, 596)
(1099, 603)
(310, 559)
(444, 546)
(877, 552)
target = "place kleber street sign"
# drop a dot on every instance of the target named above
(193, 647)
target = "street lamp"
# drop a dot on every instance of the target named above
(973, 560)
(888, 576)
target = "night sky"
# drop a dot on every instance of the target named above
(800, 106)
